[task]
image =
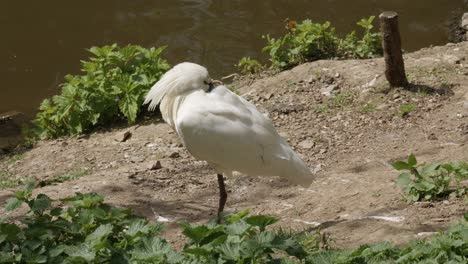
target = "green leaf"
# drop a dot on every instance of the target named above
(7, 257)
(13, 204)
(261, 221)
(138, 226)
(101, 232)
(83, 251)
(40, 204)
(197, 233)
(11, 231)
(412, 160)
(237, 228)
(401, 165)
(231, 251)
(404, 179)
(237, 217)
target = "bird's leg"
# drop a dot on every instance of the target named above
(222, 196)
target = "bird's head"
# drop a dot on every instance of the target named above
(182, 78)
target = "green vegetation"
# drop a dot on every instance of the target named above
(428, 182)
(308, 41)
(367, 108)
(6, 181)
(67, 176)
(405, 109)
(338, 101)
(15, 158)
(82, 229)
(249, 66)
(112, 86)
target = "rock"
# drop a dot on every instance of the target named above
(464, 21)
(465, 105)
(327, 91)
(155, 166)
(452, 59)
(311, 79)
(174, 155)
(11, 124)
(307, 144)
(432, 136)
(123, 136)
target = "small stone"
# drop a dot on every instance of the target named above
(425, 234)
(307, 144)
(464, 21)
(465, 104)
(337, 75)
(327, 91)
(451, 59)
(432, 136)
(156, 166)
(268, 96)
(123, 136)
(174, 155)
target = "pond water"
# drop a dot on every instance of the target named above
(44, 40)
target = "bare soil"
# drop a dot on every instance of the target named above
(348, 138)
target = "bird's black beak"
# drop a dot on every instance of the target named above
(210, 86)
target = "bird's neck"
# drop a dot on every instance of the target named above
(169, 108)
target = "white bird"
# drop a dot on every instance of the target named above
(222, 128)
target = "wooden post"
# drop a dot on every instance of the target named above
(394, 64)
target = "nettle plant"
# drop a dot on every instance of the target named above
(83, 230)
(308, 41)
(431, 181)
(112, 87)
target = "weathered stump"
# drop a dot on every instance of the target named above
(394, 64)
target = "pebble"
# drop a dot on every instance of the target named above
(307, 144)
(174, 155)
(123, 136)
(327, 91)
(155, 166)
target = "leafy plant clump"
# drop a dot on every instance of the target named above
(308, 41)
(83, 229)
(249, 66)
(113, 85)
(428, 182)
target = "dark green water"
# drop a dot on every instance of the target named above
(41, 41)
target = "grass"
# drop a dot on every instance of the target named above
(339, 101)
(67, 176)
(322, 108)
(15, 158)
(6, 181)
(368, 108)
(406, 109)
(342, 99)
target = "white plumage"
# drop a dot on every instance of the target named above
(222, 128)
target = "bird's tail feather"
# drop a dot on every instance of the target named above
(295, 170)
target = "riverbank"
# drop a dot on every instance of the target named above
(339, 115)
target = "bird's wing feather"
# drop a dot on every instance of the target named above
(231, 134)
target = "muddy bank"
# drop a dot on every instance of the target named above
(339, 116)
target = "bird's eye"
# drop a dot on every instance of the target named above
(205, 82)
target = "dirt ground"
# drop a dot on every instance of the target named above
(349, 138)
